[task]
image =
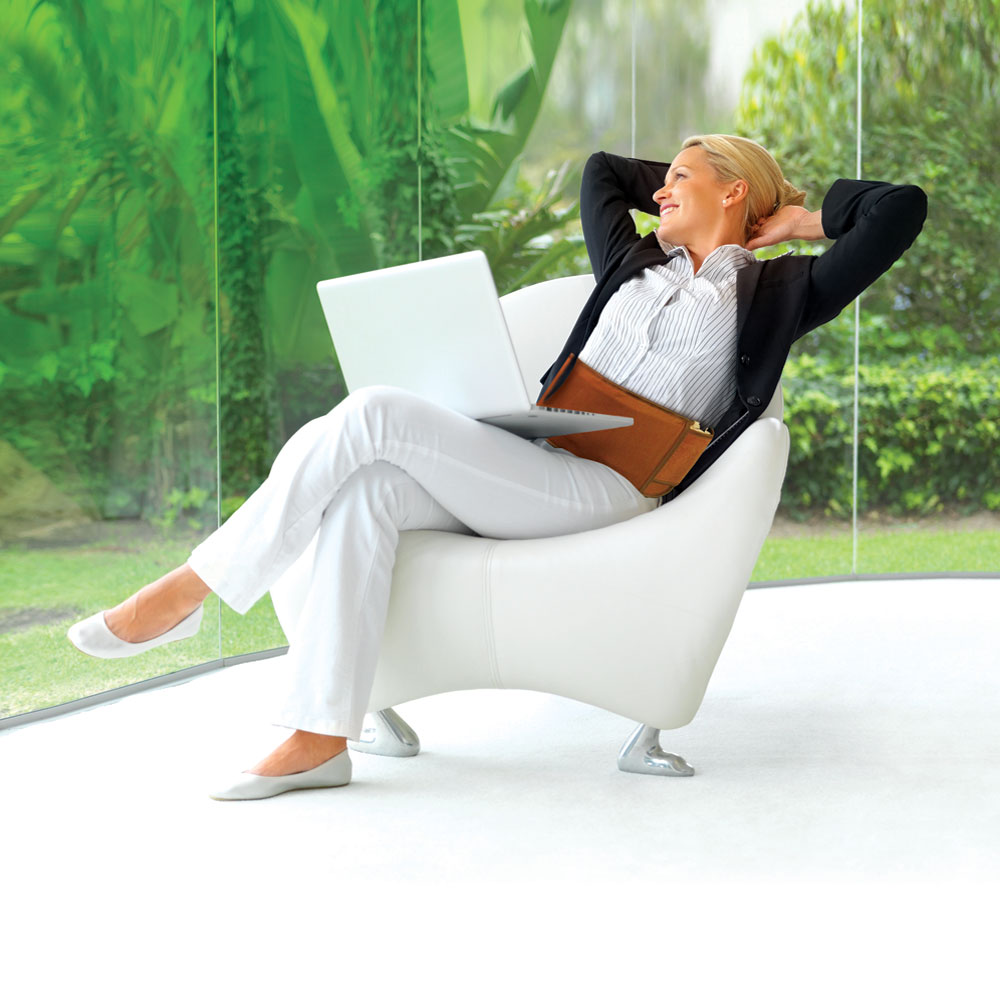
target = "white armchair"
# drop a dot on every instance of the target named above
(469, 612)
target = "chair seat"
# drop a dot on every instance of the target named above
(631, 617)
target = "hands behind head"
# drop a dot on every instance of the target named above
(789, 223)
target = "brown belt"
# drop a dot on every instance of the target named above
(654, 454)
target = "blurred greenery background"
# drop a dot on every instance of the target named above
(176, 176)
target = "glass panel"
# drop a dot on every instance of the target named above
(785, 75)
(588, 102)
(679, 90)
(317, 178)
(488, 76)
(929, 338)
(107, 317)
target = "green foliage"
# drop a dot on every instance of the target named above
(105, 260)
(390, 146)
(929, 437)
(249, 425)
(177, 503)
(883, 342)
(347, 136)
(352, 135)
(526, 237)
(483, 147)
(930, 117)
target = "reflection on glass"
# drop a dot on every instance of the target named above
(106, 310)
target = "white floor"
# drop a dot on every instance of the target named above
(845, 814)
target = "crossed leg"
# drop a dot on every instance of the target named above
(382, 461)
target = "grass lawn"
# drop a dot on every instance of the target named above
(930, 545)
(44, 588)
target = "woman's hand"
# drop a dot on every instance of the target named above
(789, 223)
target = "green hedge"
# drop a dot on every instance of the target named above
(929, 437)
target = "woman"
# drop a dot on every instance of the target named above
(685, 316)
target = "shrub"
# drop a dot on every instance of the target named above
(928, 437)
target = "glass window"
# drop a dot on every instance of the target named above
(929, 378)
(107, 313)
(331, 137)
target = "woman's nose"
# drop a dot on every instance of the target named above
(661, 195)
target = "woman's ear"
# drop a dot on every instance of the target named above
(737, 191)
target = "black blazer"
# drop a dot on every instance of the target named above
(777, 301)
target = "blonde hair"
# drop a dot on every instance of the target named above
(734, 158)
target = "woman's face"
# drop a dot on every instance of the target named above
(691, 199)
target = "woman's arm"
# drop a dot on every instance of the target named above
(873, 224)
(612, 185)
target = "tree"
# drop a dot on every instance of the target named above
(930, 116)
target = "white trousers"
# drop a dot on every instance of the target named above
(344, 486)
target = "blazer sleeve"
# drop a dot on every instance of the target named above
(612, 185)
(873, 224)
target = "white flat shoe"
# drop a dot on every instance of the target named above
(330, 774)
(93, 636)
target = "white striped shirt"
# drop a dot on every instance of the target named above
(670, 334)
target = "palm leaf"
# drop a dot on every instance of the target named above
(448, 88)
(349, 47)
(23, 207)
(309, 29)
(485, 153)
(329, 164)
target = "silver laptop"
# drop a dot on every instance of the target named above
(436, 328)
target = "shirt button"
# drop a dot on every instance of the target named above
(753, 400)
(744, 359)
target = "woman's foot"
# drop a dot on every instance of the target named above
(304, 760)
(158, 606)
(302, 751)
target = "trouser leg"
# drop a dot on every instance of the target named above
(380, 462)
(334, 635)
(498, 484)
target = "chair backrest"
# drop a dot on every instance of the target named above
(540, 317)
(776, 408)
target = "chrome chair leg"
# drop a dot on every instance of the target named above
(641, 754)
(385, 733)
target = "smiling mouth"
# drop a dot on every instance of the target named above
(666, 210)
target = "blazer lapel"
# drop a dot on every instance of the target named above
(746, 285)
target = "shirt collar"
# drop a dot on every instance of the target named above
(730, 256)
